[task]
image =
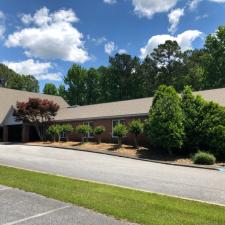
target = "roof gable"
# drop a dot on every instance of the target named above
(9, 98)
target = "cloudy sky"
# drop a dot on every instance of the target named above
(44, 38)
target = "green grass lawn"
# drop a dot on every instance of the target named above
(122, 203)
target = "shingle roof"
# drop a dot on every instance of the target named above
(9, 97)
(136, 107)
(215, 95)
(106, 110)
(126, 108)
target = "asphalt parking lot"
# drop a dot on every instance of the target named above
(19, 207)
(194, 183)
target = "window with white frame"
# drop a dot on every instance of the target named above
(114, 123)
(91, 124)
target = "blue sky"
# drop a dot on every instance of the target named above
(44, 38)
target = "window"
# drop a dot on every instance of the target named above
(62, 135)
(91, 124)
(114, 123)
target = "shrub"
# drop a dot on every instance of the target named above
(83, 130)
(204, 158)
(164, 126)
(136, 127)
(217, 141)
(98, 131)
(204, 124)
(193, 107)
(120, 130)
(55, 130)
(67, 128)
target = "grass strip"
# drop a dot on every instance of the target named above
(134, 206)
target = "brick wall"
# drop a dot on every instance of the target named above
(107, 135)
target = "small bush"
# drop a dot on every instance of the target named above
(120, 130)
(55, 131)
(83, 130)
(136, 127)
(204, 158)
(67, 128)
(98, 131)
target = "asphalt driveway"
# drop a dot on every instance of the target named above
(19, 207)
(200, 184)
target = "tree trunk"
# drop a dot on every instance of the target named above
(38, 132)
(135, 142)
(82, 139)
(99, 139)
(119, 142)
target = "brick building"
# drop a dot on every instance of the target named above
(105, 114)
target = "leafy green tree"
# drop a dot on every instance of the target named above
(67, 129)
(30, 83)
(169, 59)
(148, 76)
(213, 116)
(217, 141)
(120, 131)
(98, 131)
(193, 107)
(106, 94)
(50, 89)
(123, 77)
(83, 130)
(214, 46)
(5, 75)
(136, 127)
(11, 79)
(62, 92)
(76, 82)
(55, 130)
(204, 124)
(93, 86)
(195, 62)
(164, 126)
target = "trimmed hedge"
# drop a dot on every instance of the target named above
(204, 158)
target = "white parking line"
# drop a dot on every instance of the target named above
(38, 215)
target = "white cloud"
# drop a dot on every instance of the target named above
(204, 16)
(217, 1)
(184, 39)
(147, 8)
(2, 24)
(52, 36)
(122, 51)
(109, 1)
(193, 4)
(26, 18)
(2, 15)
(174, 19)
(97, 41)
(50, 76)
(110, 47)
(38, 69)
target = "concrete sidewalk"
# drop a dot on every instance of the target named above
(19, 207)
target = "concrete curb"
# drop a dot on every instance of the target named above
(104, 152)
